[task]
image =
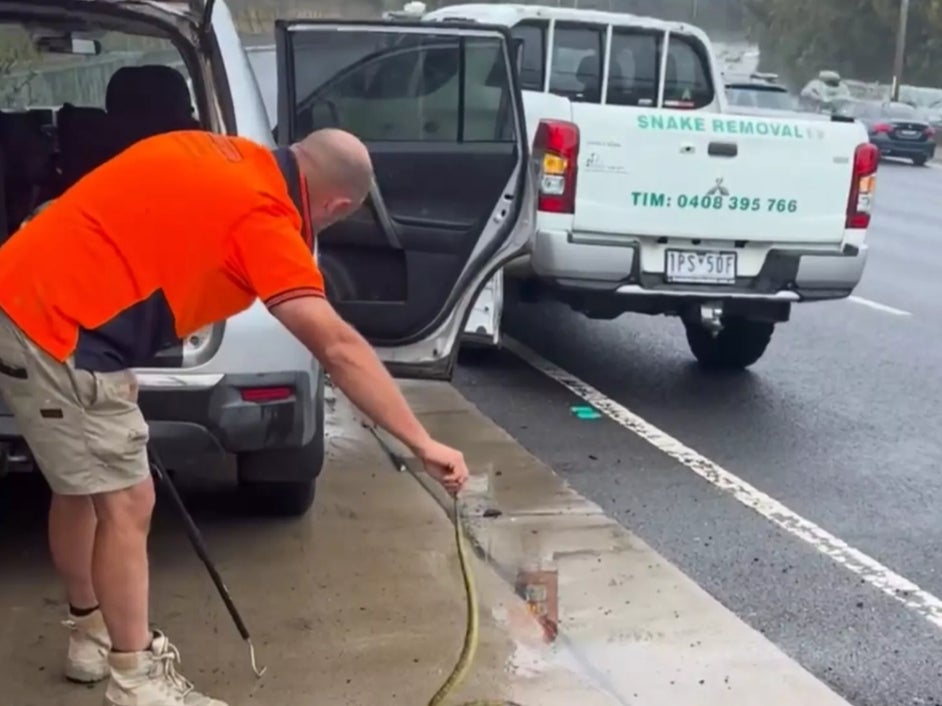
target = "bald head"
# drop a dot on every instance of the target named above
(336, 164)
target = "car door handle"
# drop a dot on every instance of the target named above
(386, 223)
(722, 149)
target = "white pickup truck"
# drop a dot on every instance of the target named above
(654, 198)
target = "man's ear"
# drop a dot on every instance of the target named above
(339, 207)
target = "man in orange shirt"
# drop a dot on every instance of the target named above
(101, 280)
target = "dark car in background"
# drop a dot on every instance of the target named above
(897, 130)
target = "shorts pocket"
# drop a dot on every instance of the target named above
(116, 389)
(13, 364)
(116, 430)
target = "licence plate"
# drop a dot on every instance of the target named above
(908, 133)
(694, 266)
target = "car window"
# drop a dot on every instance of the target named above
(533, 55)
(687, 82)
(576, 71)
(743, 96)
(775, 100)
(634, 70)
(900, 110)
(29, 78)
(394, 87)
(737, 97)
(632, 73)
(760, 97)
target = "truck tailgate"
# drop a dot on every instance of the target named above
(676, 174)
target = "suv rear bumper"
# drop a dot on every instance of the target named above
(571, 263)
(195, 418)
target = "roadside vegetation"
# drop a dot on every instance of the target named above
(856, 38)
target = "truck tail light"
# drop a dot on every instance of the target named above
(862, 186)
(556, 147)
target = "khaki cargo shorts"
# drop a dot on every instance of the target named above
(84, 429)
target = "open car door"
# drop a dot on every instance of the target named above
(439, 108)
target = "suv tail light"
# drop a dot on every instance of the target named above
(862, 185)
(260, 395)
(556, 146)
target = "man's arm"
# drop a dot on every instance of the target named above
(269, 257)
(354, 366)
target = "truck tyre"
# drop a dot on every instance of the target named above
(740, 344)
(278, 498)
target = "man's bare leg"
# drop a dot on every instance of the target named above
(143, 663)
(120, 566)
(72, 528)
(72, 523)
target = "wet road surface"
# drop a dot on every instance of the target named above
(839, 423)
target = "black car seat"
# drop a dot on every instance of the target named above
(143, 101)
(619, 89)
(588, 75)
(86, 140)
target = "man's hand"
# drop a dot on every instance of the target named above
(444, 464)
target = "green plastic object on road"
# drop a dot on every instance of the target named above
(585, 412)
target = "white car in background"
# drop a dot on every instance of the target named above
(430, 103)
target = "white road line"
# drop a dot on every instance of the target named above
(867, 568)
(878, 306)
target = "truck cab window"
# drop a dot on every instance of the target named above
(687, 83)
(576, 71)
(533, 54)
(634, 70)
(632, 73)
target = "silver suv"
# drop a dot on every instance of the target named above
(441, 112)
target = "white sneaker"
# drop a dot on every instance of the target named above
(89, 645)
(150, 678)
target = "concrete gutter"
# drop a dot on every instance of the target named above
(631, 623)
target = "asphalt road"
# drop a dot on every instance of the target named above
(839, 422)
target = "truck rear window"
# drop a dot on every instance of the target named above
(634, 70)
(532, 54)
(635, 64)
(576, 69)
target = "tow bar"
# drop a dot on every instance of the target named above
(711, 316)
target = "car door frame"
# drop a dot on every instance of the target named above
(433, 355)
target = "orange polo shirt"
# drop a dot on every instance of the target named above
(179, 231)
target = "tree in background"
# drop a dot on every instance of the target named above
(799, 38)
(16, 54)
